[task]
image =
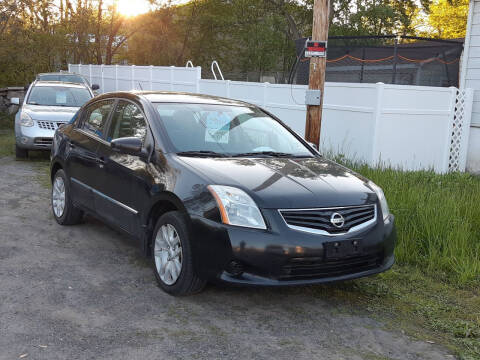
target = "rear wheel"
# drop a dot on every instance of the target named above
(64, 211)
(20, 153)
(172, 256)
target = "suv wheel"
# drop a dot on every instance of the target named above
(20, 153)
(172, 256)
(64, 211)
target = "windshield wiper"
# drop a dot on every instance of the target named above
(204, 153)
(268, 153)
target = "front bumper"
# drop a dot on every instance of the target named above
(282, 256)
(33, 137)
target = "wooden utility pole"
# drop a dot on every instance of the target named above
(317, 71)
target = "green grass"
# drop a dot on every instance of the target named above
(7, 137)
(438, 221)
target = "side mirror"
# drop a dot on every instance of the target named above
(313, 145)
(127, 145)
(95, 87)
(15, 101)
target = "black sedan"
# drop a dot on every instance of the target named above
(218, 190)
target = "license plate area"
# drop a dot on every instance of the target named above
(343, 249)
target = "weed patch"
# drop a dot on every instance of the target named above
(437, 219)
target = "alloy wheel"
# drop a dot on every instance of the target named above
(168, 254)
(58, 196)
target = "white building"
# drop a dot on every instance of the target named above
(470, 78)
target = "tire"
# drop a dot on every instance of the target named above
(187, 282)
(20, 153)
(70, 214)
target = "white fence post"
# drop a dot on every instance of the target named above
(227, 88)
(171, 77)
(151, 77)
(102, 79)
(132, 68)
(449, 130)
(376, 125)
(80, 68)
(69, 68)
(116, 77)
(463, 119)
(89, 73)
(265, 89)
(197, 79)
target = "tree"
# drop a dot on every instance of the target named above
(448, 20)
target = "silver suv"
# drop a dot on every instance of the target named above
(64, 76)
(47, 105)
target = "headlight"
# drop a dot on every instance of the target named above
(26, 120)
(382, 199)
(236, 207)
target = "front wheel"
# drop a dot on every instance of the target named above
(64, 211)
(172, 256)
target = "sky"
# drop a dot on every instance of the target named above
(137, 7)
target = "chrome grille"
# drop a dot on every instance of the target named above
(49, 125)
(319, 220)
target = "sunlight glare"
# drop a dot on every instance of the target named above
(132, 7)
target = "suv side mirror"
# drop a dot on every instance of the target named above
(127, 145)
(15, 101)
(95, 87)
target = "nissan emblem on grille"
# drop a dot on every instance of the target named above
(337, 220)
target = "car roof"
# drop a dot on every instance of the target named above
(59, 83)
(176, 97)
(60, 73)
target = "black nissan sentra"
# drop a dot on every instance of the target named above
(218, 190)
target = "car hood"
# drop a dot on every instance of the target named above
(282, 183)
(51, 113)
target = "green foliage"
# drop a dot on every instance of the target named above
(243, 35)
(448, 20)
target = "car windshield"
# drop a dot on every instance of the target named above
(196, 129)
(61, 77)
(58, 96)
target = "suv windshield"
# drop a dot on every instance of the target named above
(203, 129)
(58, 96)
(61, 77)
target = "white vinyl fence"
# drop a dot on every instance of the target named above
(409, 127)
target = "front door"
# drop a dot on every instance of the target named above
(82, 161)
(123, 182)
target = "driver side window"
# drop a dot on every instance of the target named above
(96, 117)
(127, 121)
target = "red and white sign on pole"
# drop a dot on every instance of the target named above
(315, 49)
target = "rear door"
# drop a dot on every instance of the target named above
(124, 180)
(82, 162)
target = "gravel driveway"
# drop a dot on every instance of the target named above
(85, 292)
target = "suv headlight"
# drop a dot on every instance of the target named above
(237, 207)
(26, 120)
(381, 197)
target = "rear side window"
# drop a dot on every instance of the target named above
(127, 121)
(61, 77)
(96, 117)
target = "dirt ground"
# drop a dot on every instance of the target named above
(85, 292)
